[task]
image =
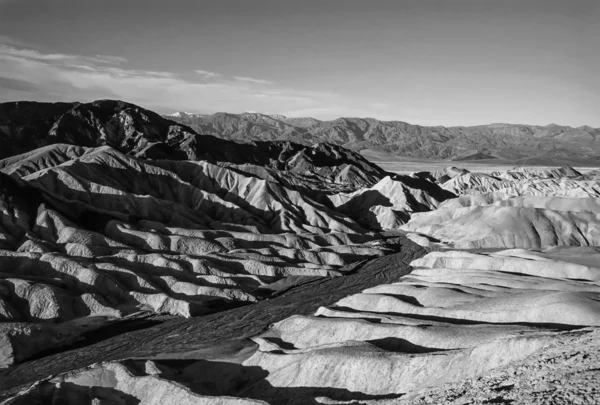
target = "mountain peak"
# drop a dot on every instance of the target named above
(182, 114)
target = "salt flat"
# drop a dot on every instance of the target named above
(406, 165)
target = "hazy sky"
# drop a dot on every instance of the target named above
(446, 62)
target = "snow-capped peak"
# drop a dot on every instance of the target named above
(184, 114)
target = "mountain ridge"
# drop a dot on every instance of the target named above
(498, 140)
(26, 125)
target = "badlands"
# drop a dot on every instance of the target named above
(142, 262)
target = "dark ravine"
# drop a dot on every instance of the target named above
(227, 328)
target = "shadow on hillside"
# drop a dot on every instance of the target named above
(461, 321)
(214, 378)
(227, 326)
(176, 203)
(68, 393)
(367, 218)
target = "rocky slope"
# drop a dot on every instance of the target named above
(469, 313)
(519, 208)
(402, 139)
(25, 126)
(132, 130)
(93, 232)
(94, 235)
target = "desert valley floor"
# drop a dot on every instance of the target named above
(144, 263)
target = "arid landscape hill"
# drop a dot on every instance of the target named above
(112, 210)
(142, 262)
(494, 141)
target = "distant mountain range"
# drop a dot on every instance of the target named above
(135, 131)
(25, 126)
(494, 141)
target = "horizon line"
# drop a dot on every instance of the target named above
(302, 116)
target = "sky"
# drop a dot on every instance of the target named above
(428, 62)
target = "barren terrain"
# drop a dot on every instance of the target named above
(521, 144)
(143, 262)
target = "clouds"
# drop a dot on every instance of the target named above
(252, 80)
(27, 73)
(16, 84)
(207, 74)
(9, 51)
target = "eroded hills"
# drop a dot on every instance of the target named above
(112, 231)
(142, 262)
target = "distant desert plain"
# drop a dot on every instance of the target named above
(407, 165)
